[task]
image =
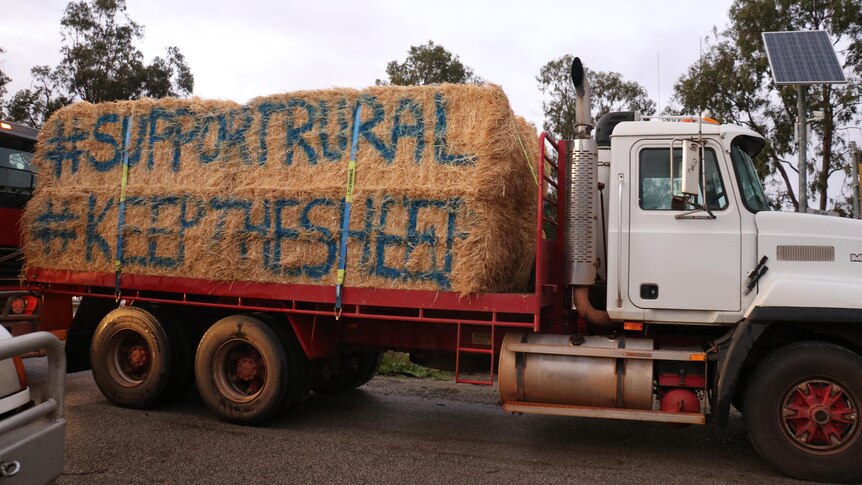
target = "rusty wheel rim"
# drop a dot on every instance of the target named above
(131, 358)
(239, 370)
(820, 416)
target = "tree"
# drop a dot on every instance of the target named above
(731, 80)
(33, 106)
(100, 63)
(730, 87)
(609, 93)
(429, 64)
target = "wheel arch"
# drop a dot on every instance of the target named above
(742, 351)
(89, 313)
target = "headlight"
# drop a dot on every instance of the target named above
(19, 304)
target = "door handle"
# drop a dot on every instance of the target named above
(620, 178)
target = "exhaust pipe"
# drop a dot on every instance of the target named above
(582, 182)
(595, 318)
(583, 100)
(581, 206)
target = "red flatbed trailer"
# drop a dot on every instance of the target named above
(384, 319)
(379, 317)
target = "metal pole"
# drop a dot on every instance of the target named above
(858, 164)
(802, 139)
(854, 165)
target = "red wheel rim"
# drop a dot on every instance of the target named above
(820, 416)
(130, 358)
(239, 370)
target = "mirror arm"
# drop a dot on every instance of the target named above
(691, 214)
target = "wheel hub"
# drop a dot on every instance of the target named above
(819, 415)
(239, 370)
(137, 358)
(130, 357)
(246, 369)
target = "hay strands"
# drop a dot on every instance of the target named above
(345, 222)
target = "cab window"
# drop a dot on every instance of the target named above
(656, 190)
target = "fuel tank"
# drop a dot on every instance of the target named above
(576, 380)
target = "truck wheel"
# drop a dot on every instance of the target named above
(802, 411)
(356, 369)
(242, 370)
(131, 358)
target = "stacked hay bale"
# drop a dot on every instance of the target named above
(444, 195)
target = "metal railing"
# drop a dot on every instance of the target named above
(549, 213)
(51, 406)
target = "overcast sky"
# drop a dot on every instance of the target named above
(240, 49)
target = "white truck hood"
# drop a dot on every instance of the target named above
(815, 267)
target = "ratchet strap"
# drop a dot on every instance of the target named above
(345, 222)
(121, 209)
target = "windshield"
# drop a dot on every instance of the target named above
(17, 178)
(749, 184)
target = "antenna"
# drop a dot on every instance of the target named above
(700, 73)
(658, 79)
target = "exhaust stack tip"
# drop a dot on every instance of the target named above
(583, 102)
(578, 75)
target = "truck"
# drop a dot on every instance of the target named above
(664, 289)
(17, 182)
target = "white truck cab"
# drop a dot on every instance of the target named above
(669, 261)
(677, 258)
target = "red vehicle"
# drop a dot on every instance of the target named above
(17, 180)
(651, 302)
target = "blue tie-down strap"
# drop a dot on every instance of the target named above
(345, 222)
(118, 262)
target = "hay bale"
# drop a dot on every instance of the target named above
(444, 197)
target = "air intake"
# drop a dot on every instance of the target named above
(805, 253)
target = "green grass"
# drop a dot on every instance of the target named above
(398, 364)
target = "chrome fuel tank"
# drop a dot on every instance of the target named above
(575, 380)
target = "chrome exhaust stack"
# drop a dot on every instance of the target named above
(581, 184)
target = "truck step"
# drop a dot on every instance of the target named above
(599, 412)
(674, 355)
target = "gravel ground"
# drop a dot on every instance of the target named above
(393, 430)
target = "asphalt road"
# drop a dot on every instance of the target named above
(393, 430)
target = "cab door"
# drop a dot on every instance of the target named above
(679, 259)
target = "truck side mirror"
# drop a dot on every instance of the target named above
(691, 166)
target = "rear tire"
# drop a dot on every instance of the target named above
(802, 412)
(132, 358)
(356, 369)
(243, 370)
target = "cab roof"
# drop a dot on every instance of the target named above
(16, 129)
(676, 128)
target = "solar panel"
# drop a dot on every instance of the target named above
(803, 57)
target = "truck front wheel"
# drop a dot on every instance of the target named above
(132, 359)
(243, 371)
(802, 411)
